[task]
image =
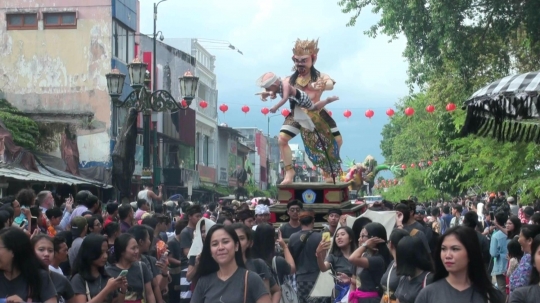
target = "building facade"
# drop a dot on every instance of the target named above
(206, 128)
(255, 139)
(55, 54)
(173, 149)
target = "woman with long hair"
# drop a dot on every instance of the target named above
(245, 235)
(520, 276)
(390, 279)
(513, 227)
(90, 281)
(22, 275)
(371, 257)
(460, 274)
(43, 246)
(139, 277)
(337, 259)
(414, 266)
(264, 241)
(221, 276)
(531, 293)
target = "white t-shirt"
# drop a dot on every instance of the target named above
(480, 211)
(143, 195)
(57, 270)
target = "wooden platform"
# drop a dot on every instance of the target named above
(320, 209)
(324, 192)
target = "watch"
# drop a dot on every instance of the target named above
(364, 245)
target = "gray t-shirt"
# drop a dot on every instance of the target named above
(134, 279)
(340, 264)
(95, 287)
(442, 292)
(287, 230)
(526, 294)
(19, 287)
(307, 269)
(151, 264)
(74, 250)
(408, 289)
(211, 289)
(62, 286)
(393, 282)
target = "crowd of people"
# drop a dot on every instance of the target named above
(465, 250)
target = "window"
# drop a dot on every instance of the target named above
(60, 20)
(21, 21)
(123, 43)
(205, 150)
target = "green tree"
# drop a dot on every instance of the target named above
(23, 129)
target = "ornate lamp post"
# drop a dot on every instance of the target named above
(146, 101)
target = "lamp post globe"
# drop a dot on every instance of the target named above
(115, 83)
(137, 72)
(188, 86)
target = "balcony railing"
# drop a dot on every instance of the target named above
(181, 177)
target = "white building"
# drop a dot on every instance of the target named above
(206, 118)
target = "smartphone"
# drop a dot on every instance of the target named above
(123, 273)
(326, 236)
(491, 216)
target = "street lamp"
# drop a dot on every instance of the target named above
(146, 101)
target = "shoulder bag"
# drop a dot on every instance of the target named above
(143, 284)
(245, 286)
(288, 295)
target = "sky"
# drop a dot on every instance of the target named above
(370, 73)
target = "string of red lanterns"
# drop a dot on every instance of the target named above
(409, 111)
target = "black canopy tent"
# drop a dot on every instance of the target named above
(506, 109)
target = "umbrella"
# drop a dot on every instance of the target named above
(506, 109)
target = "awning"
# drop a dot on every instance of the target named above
(46, 175)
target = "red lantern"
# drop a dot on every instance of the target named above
(330, 113)
(304, 166)
(413, 165)
(223, 108)
(347, 114)
(429, 163)
(203, 104)
(265, 111)
(296, 165)
(409, 111)
(430, 108)
(183, 103)
(285, 112)
(395, 181)
(403, 166)
(389, 112)
(369, 113)
(245, 109)
(450, 107)
(313, 168)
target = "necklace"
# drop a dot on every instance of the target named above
(303, 81)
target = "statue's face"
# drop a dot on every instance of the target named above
(303, 64)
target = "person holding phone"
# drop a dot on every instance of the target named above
(90, 282)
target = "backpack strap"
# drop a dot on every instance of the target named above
(274, 268)
(304, 241)
(425, 280)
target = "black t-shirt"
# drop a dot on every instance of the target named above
(95, 287)
(307, 269)
(370, 278)
(287, 230)
(211, 289)
(151, 264)
(175, 251)
(62, 286)
(19, 287)
(186, 240)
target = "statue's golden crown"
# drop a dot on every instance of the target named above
(306, 47)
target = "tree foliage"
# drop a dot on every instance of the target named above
(23, 129)
(454, 48)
